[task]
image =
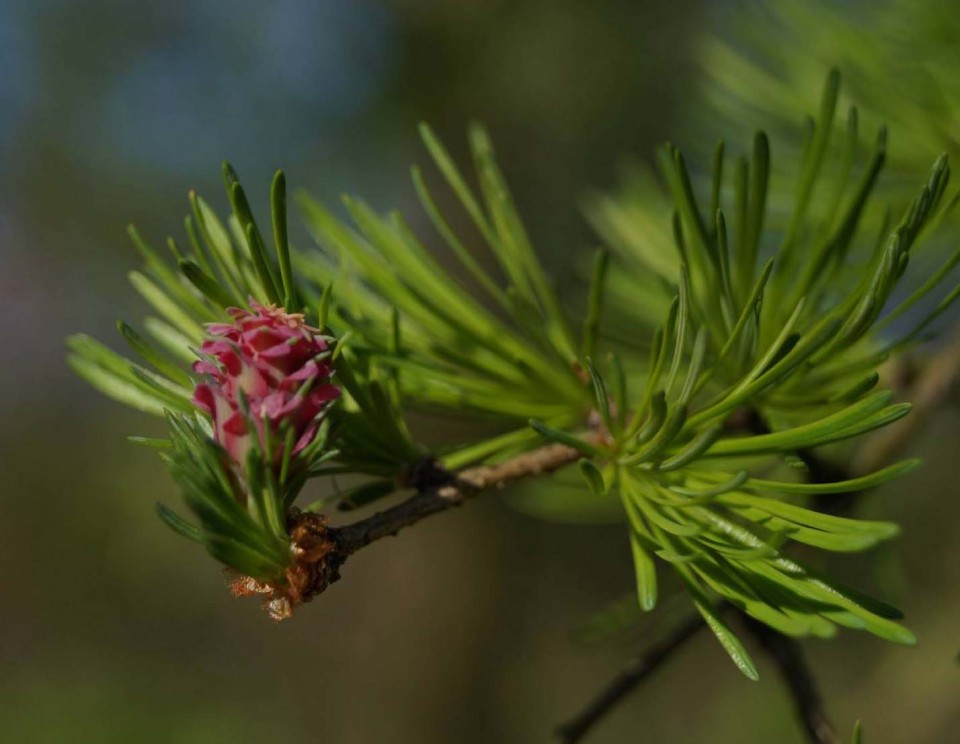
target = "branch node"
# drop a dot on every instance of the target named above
(317, 558)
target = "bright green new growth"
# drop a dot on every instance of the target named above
(506, 353)
(765, 345)
(898, 58)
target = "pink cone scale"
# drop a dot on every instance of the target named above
(267, 373)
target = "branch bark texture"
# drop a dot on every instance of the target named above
(439, 489)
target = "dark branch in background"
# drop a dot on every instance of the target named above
(787, 653)
(629, 677)
(791, 662)
(926, 390)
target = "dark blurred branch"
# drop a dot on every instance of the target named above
(627, 680)
(925, 384)
(787, 654)
(926, 389)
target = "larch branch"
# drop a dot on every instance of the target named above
(439, 490)
(321, 550)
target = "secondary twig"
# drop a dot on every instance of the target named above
(628, 679)
(791, 662)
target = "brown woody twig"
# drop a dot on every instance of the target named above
(439, 489)
(320, 550)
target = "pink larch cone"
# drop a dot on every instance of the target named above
(277, 363)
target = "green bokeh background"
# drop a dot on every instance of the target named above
(112, 629)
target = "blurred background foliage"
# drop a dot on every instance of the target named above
(466, 628)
